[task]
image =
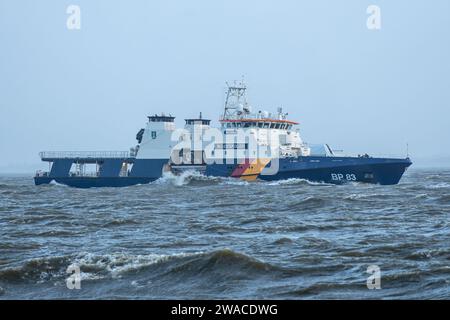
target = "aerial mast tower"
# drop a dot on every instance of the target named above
(235, 100)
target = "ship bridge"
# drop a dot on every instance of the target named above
(265, 123)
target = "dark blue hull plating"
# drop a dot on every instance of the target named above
(336, 170)
(92, 182)
(377, 171)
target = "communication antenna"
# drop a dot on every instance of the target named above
(235, 98)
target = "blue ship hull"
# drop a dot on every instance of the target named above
(335, 170)
(94, 182)
(378, 171)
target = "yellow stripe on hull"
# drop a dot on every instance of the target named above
(255, 168)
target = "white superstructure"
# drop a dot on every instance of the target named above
(261, 133)
(156, 140)
(243, 134)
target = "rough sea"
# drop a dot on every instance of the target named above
(192, 237)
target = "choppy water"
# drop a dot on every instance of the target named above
(193, 237)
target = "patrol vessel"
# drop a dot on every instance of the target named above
(248, 145)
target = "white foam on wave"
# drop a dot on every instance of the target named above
(441, 185)
(116, 264)
(365, 196)
(234, 181)
(184, 178)
(297, 181)
(54, 183)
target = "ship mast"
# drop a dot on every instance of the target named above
(235, 99)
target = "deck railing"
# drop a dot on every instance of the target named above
(371, 155)
(84, 154)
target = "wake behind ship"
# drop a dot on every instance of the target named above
(248, 145)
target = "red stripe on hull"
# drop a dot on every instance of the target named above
(240, 169)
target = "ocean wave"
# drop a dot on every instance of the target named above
(294, 181)
(394, 279)
(115, 265)
(234, 181)
(222, 264)
(37, 270)
(54, 183)
(120, 222)
(95, 267)
(441, 185)
(314, 242)
(366, 196)
(310, 202)
(222, 228)
(30, 219)
(190, 176)
(91, 266)
(421, 196)
(18, 246)
(283, 241)
(321, 288)
(445, 199)
(292, 228)
(185, 178)
(428, 254)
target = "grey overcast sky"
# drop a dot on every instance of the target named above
(91, 89)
